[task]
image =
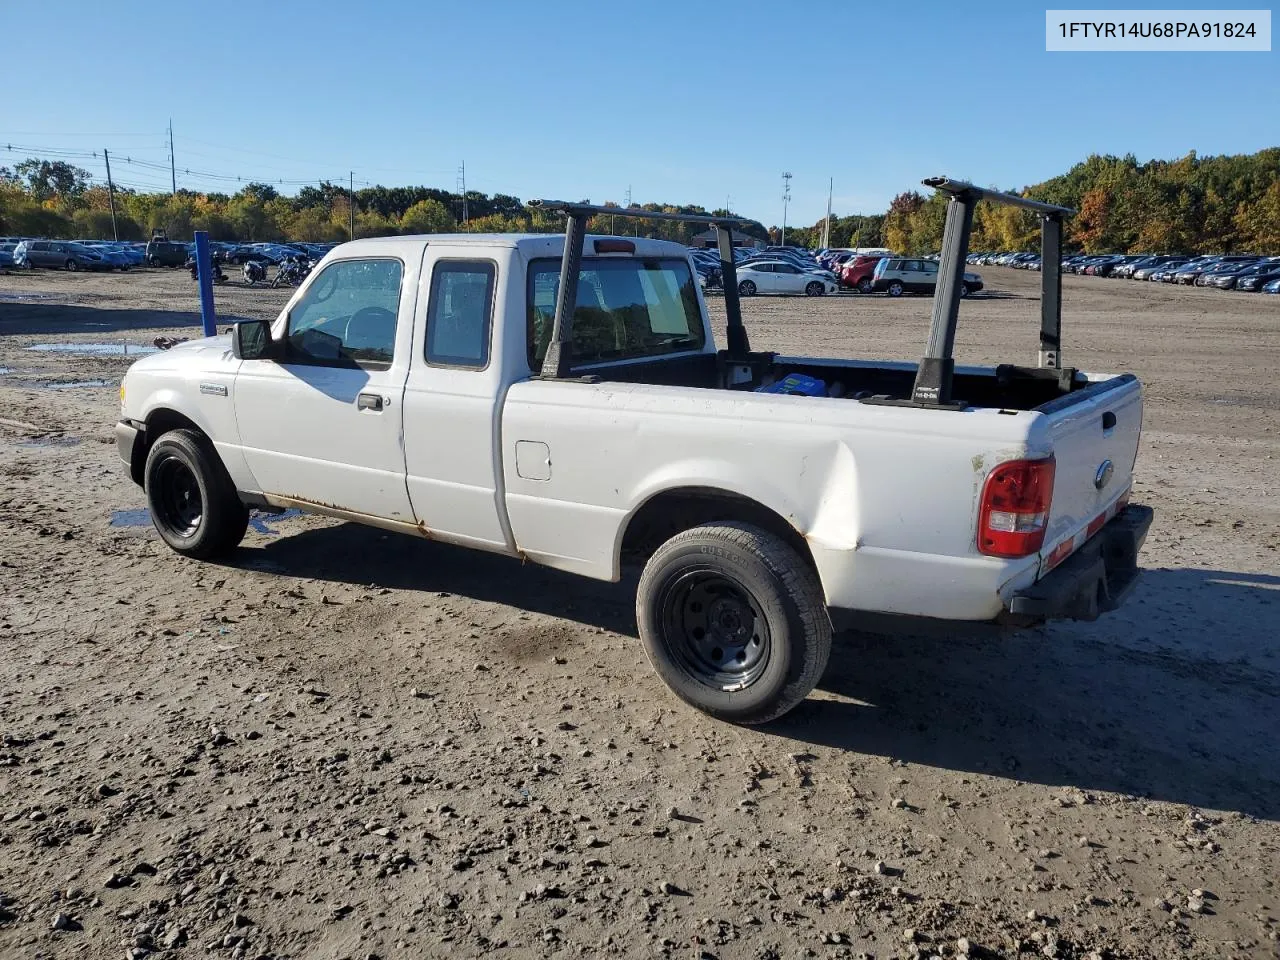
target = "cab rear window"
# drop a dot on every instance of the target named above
(627, 308)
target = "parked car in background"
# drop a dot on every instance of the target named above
(899, 275)
(1149, 272)
(58, 255)
(856, 274)
(1227, 266)
(112, 258)
(1272, 287)
(1253, 282)
(1230, 279)
(781, 276)
(166, 253)
(6, 254)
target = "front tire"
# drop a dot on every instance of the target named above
(964, 290)
(814, 289)
(747, 289)
(896, 289)
(193, 502)
(733, 620)
(72, 266)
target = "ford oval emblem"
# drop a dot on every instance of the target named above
(1103, 476)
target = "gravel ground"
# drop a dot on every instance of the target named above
(351, 744)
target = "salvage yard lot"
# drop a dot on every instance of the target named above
(348, 743)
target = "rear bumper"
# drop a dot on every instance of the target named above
(1096, 578)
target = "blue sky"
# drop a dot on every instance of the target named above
(577, 100)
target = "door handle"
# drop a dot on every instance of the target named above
(369, 401)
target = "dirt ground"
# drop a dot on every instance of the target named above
(347, 743)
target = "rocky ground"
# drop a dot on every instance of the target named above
(351, 744)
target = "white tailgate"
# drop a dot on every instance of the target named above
(1084, 436)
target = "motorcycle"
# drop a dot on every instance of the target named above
(215, 262)
(254, 272)
(291, 272)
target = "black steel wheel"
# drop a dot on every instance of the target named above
(178, 506)
(193, 502)
(733, 619)
(715, 628)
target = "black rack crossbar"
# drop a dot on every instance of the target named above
(558, 362)
(937, 367)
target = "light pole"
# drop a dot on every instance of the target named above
(786, 198)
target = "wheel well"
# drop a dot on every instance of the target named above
(674, 511)
(159, 422)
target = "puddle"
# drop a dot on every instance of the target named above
(8, 297)
(259, 521)
(49, 442)
(131, 518)
(96, 349)
(75, 384)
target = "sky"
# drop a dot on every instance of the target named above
(678, 102)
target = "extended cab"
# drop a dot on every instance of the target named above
(492, 392)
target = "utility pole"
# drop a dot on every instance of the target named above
(629, 200)
(462, 175)
(111, 195)
(351, 203)
(173, 171)
(786, 198)
(826, 227)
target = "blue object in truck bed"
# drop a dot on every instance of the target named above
(796, 384)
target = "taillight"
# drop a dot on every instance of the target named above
(1015, 508)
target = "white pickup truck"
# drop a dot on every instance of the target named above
(492, 392)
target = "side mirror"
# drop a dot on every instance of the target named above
(251, 340)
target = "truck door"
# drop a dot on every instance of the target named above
(452, 398)
(321, 424)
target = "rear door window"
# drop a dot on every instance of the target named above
(460, 313)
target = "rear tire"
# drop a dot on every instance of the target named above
(72, 266)
(747, 289)
(964, 290)
(866, 285)
(194, 504)
(733, 620)
(895, 289)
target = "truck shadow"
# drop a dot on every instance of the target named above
(59, 318)
(1175, 697)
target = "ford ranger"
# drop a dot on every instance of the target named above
(562, 399)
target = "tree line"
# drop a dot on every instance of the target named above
(1218, 204)
(55, 199)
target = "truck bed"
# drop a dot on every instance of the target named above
(1005, 387)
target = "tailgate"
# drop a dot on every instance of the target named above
(1094, 435)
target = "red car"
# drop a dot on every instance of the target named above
(856, 272)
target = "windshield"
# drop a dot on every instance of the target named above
(626, 308)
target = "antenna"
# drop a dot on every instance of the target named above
(173, 171)
(786, 198)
